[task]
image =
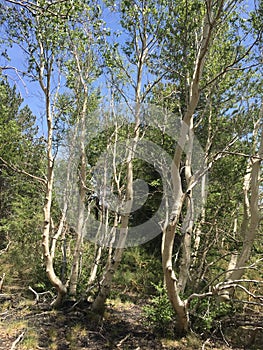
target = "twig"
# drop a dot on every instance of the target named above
(5, 297)
(123, 340)
(34, 8)
(18, 72)
(38, 314)
(18, 339)
(98, 333)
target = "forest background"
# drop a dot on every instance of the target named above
(132, 167)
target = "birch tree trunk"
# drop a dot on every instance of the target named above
(47, 226)
(74, 276)
(141, 46)
(105, 285)
(251, 215)
(169, 230)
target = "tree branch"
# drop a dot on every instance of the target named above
(21, 171)
(6, 248)
(38, 295)
(34, 7)
(236, 60)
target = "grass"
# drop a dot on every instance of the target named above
(14, 328)
(29, 336)
(76, 334)
(191, 341)
(30, 340)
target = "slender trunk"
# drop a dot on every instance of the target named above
(99, 303)
(49, 254)
(94, 269)
(74, 276)
(171, 281)
(197, 265)
(170, 228)
(187, 227)
(251, 216)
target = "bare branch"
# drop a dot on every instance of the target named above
(38, 295)
(242, 155)
(22, 171)
(252, 266)
(18, 73)
(235, 284)
(199, 296)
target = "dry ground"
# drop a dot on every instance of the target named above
(27, 326)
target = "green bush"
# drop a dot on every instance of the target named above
(206, 311)
(159, 313)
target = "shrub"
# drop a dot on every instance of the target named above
(159, 313)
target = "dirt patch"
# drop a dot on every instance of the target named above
(77, 328)
(123, 327)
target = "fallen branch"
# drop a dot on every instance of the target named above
(38, 295)
(247, 302)
(18, 339)
(123, 340)
(243, 320)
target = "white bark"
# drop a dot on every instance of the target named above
(80, 230)
(251, 216)
(169, 229)
(188, 222)
(141, 43)
(49, 254)
(82, 91)
(105, 285)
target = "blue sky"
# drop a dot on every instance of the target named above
(29, 90)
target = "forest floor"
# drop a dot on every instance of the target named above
(25, 325)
